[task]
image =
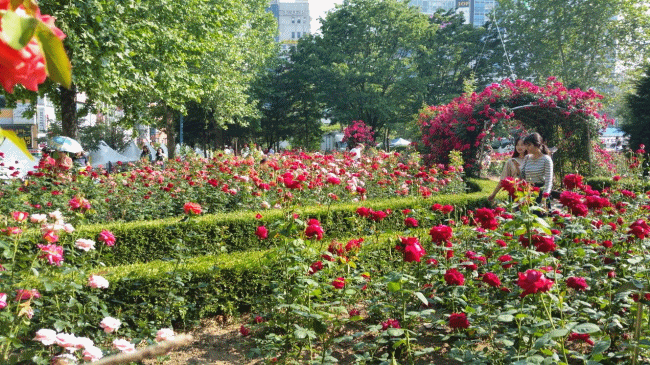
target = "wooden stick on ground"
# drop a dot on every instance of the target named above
(147, 352)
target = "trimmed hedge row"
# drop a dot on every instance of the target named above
(232, 232)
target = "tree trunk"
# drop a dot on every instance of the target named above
(69, 121)
(170, 131)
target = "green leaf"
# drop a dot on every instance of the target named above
(506, 318)
(559, 333)
(18, 30)
(586, 328)
(394, 286)
(395, 332)
(319, 327)
(56, 60)
(600, 347)
(422, 298)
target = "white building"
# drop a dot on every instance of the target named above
(293, 21)
(476, 12)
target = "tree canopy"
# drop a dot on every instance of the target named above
(637, 125)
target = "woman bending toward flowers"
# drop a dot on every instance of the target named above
(538, 165)
(512, 167)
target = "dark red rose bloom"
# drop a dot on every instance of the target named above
(192, 208)
(315, 267)
(411, 248)
(364, 212)
(411, 222)
(544, 243)
(458, 320)
(379, 216)
(491, 279)
(577, 283)
(314, 230)
(446, 209)
(572, 181)
(454, 277)
(262, 232)
(26, 294)
(390, 323)
(440, 234)
(639, 229)
(584, 337)
(244, 331)
(339, 283)
(533, 281)
(486, 218)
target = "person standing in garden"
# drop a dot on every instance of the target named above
(145, 154)
(63, 162)
(538, 166)
(356, 152)
(512, 167)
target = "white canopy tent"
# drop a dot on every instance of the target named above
(400, 142)
(105, 154)
(16, 156)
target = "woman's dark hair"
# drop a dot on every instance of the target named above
(536, 140)
(515, 154)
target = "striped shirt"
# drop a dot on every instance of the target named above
(539, 171)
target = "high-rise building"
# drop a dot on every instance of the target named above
(476, 12)
(293, 21)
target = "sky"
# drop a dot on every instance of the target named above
(317, 9)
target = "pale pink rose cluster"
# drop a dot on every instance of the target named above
(70, 343)
(84, 244)
(3, 300)
(123, 345)
(165, 334)
(97, 282)
(110, 324)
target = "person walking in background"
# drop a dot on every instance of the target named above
(356, 152)
(63, 162)
(538, 166)
(80, 159)
(512, 167)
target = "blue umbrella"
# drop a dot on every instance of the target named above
(65, 144)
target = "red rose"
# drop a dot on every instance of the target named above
(446, 209)
(315, 267)
(580, 337)
(314, 230)
(262, 232)
(411, 248)
(533, 281)
(390, 323)
(572, 181)
(244, 331)
(458, 320)
(486, 218)
(339, 283)
(577, 283)
(491, 279)
(639, 229)
(440, 234)
(192, 208)
(454, 277)
(411, 222)
(26, 294)
(364, 212)
(378, 216)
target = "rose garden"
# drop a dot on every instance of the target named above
(390, 258)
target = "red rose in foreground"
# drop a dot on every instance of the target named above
(572, 181)
(390, 323)
(25, 294)
(533, 282)
(262, 232)
(192, 208)
(314, 229)
(458, 320)
(454, 277)
(411, 222)
(639, 229)
(580, 337)
(26, 66)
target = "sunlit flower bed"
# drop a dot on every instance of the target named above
(226, 183)
(496, 285)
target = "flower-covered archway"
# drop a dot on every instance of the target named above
(566, 119)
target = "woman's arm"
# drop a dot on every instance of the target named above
(548, 174)
(506, 172)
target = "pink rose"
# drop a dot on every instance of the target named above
(97, 282)
(164, 334)
(107, 237)
(67, 341)
(123, 345)
(110, 324)
(92, 353)
(45, 336)
(3, 300)
(84, 244)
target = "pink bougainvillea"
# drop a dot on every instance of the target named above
(466, 123)
(358, 132)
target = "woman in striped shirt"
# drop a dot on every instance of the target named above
(538, 165)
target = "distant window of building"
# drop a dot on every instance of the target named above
(293, 34)
(298, 34)
(293, 20)
(298, 21)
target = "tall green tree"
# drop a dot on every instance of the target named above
(581, 42)
(637, 124)
(363, 65)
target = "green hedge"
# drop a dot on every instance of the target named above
(232, 232)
